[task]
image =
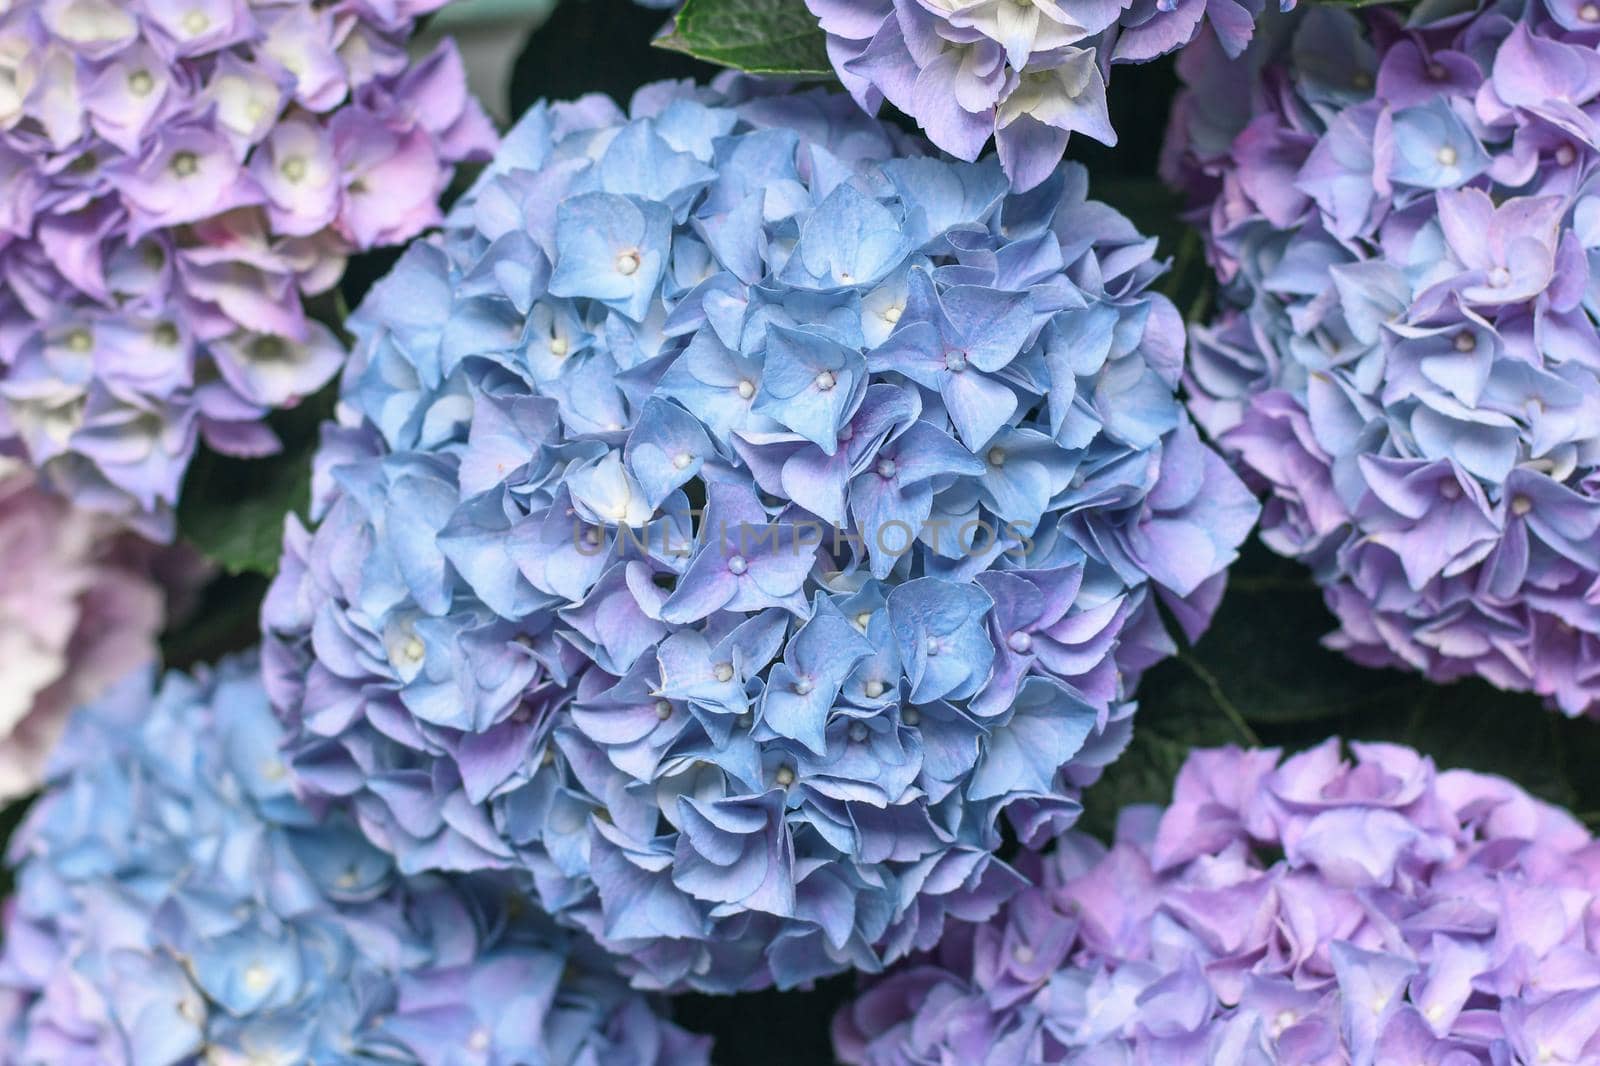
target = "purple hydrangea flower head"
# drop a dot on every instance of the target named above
(1407, 361)
(178, 177)
(1303, 911)
(177, 904)
(734, 513)
(1026, 73)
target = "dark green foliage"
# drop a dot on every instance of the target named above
(760, 36)
(596, 46)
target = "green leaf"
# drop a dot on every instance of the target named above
(232, 510)
(1260, 676)
(759, 36)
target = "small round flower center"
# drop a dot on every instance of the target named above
(955, 362)
(479, 1040)
(886, 468)
(1521, 505)
(873, 689)
(1437, 72)
(911, 717)
(892, 314)
(1284, 1020)
(80, 340)
(165, 334)
(1566, 155)
(826, 381)
(663, 710)
(141, 83)
(1447, 155)
(933, 647)
(185, 164)
(1020, 642)
(1450, 489)
(1499, 277)
(591, 536)
(1023, 954)
(863, 619)
(682, 460)
(294, 169)
(784, 776)
(747, 389)
(804, 686)
(722, 672)
(558, 347)
(1465, 341)
(628, 264)
(997, 457)
(738, 565)
(744, 721)
(1589, 13)
(256, 977)
(196, 22)
(273, 770)
(414, 650)
(858, 732)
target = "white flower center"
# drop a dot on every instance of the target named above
(185, 164)
(663, 710)
(785, 776)
(682, 460)
(196, 22)
(911, 716)
(1465, 341)
(873, 689)
(141, 83)
(886, 468)
(826, 381)
(747, 389)
(294, 169)
(738, 565)
(1521, 505)
(722, 671)
(628, 264)
(1447, 155)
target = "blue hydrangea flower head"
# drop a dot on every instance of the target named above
(177, 904)
(1407, 361)
(734, 512)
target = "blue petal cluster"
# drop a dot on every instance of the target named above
(176, 904)
(737, 511)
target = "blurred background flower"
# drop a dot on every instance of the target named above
(81, 604)
(177, 904)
